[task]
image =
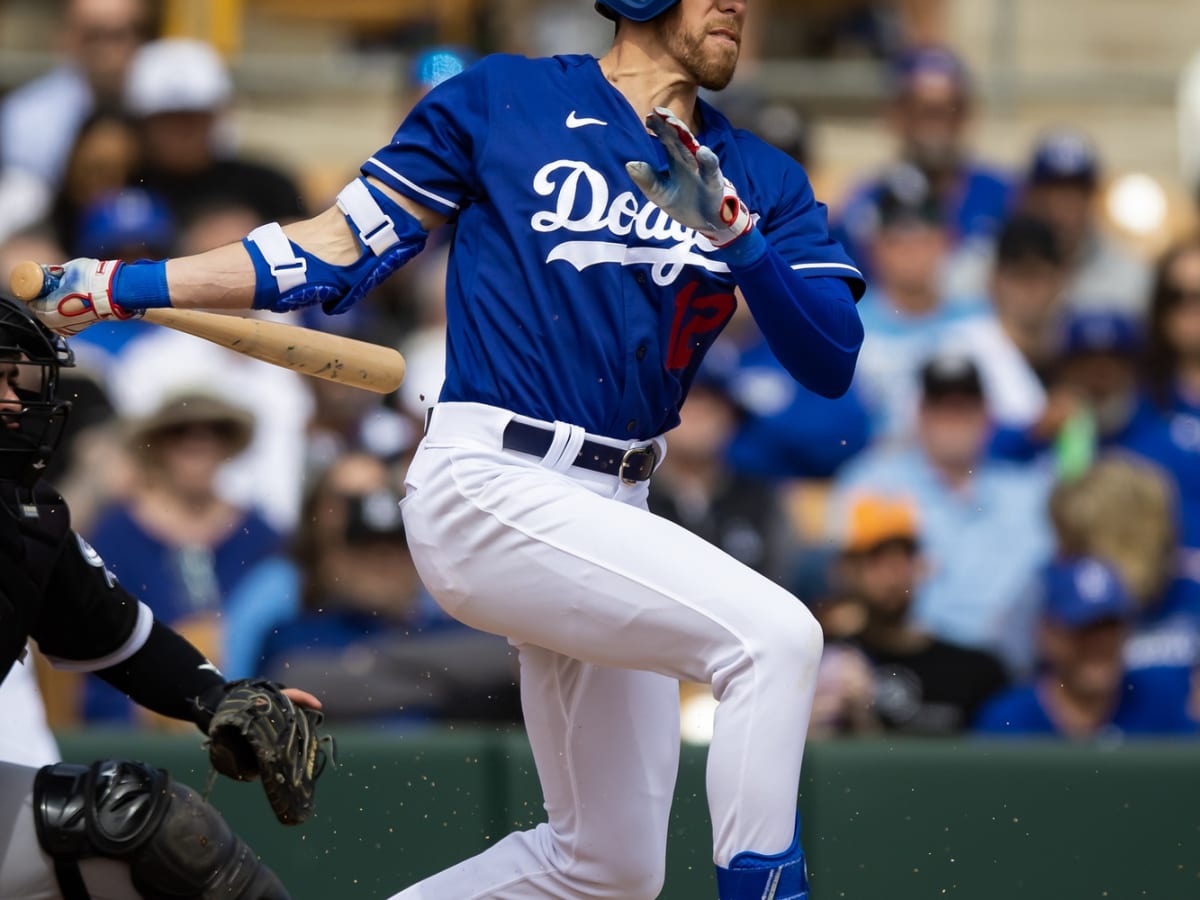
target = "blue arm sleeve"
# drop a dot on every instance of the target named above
(810, 322)
(1015, 445)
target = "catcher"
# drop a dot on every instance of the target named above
(119, 828)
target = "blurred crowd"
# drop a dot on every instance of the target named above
(998, 526)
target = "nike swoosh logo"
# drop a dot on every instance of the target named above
(574, 121)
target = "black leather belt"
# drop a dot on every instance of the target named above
(631, 466)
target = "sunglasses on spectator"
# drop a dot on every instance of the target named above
(111, 34)
(226, 431)
(1187, 295)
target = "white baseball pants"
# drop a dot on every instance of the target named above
(609, 606)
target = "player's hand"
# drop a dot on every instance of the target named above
(77, 294)
(301, 698)
(695, 193)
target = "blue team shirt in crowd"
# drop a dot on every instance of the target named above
(569, 295)
(1153, 702)
(786, 430)
(977, 208)
(1170, 438)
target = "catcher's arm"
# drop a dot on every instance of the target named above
(254, 728)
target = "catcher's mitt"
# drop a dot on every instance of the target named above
(257, 730)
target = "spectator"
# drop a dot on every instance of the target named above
(175, 540)
(695, 488)
(366, 629)
(164, 362)
(178, 90)
(906, 320)
(1172, 368)
(1016, 338)
(1095, 385)
(1121, 512)
(128, 225)
(844, 703)
(270, 595)
(923, 685)
(1028, 273)
(90, 468)
(929, 111)
(103, 160)
(40, 120)
(1061, 187)
(1084, 690)
(345, 418)
(984, 528)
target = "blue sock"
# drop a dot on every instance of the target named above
(755, 876)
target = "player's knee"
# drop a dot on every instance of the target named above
(799, 634)
(174, 843)
(610, 869)
(633, 876)
(789, 641)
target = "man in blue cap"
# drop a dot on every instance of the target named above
(1061, 187)
(1096, 375)
(929, 110)
(1084, 691)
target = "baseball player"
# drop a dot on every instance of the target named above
(116, 829)
(605, 216)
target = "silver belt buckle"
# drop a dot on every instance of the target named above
(650, 450)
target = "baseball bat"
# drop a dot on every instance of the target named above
(317, 353)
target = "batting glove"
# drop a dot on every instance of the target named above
(694, 193)
(78, 294)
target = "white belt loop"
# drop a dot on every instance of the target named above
(560, 455)
(289, 270)
(375, 229)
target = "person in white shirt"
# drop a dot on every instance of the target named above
(39, 121)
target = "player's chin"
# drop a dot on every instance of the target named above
(717, 74)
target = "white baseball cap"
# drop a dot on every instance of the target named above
(176, 75)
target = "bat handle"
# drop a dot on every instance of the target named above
(30, 280)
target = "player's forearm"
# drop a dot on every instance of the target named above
(811, 324)
(167, 675)
(225, 278)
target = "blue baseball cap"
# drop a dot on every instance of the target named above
(1081, 592)
(1099, 331)
(1064, 157)
(437, 64)
(926, 61)
(130, 219)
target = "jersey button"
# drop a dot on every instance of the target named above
(641, 352)
(631, 424)
(640, 277)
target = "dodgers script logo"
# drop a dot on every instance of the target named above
(625, 214)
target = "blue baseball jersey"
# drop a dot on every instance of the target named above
(570, 296)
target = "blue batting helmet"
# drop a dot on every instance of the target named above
(636, 10)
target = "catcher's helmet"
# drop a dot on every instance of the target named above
(30, 433)
(637, 10)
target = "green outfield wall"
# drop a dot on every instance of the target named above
(883, 820)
